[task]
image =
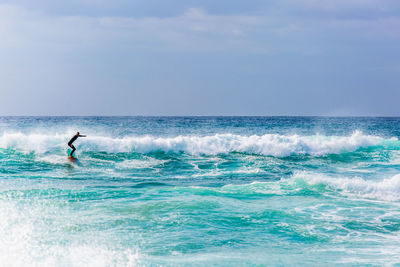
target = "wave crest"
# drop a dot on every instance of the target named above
(268, 144)
(387, 189)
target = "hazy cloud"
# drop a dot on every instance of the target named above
(259, 57)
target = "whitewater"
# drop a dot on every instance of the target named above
(184, 191)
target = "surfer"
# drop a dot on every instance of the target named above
(73, 140)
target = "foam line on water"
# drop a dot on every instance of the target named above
(140, 164)
(387, 189)
(267, 144)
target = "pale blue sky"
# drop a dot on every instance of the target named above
(286, 57)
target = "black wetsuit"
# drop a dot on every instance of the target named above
(71, 145)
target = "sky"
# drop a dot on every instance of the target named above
(187, 57)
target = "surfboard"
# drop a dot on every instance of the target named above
(72, 158)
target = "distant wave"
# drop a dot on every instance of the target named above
(268, 144)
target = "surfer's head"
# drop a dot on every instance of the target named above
(77, 133)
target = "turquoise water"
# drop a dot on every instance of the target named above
(204, 191)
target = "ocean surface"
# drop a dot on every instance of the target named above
(200, 191)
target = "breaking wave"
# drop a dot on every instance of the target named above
(386, 189)
(268, 144)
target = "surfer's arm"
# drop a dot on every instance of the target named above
(82, 135)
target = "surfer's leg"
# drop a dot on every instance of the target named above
(73, 150)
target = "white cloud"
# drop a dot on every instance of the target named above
(344, 5)
(194, 29)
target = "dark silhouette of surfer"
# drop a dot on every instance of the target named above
(73, 140)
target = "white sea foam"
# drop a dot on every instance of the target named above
(274, 188)
(386, 189)
(218, 172)
(268, 144)
(37, 142)
(23, 243)
(53, 159)
(140, 164)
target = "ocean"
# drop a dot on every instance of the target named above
(200, 191)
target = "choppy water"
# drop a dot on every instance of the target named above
(220, 191)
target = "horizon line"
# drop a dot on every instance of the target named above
(175, 116)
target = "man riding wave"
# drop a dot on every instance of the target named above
(73, 140)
